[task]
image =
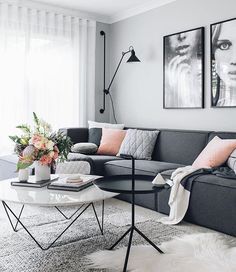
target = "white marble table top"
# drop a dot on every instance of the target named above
(45, 197)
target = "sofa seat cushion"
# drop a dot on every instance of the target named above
(98, 161)
(142, 167)
(217, 181)
(167, 173)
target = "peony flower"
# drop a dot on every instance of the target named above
(45, 160)
(35, 138)
(51, 154)
(40, 145)
(50, 145)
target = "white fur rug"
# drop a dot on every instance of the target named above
(190, 253)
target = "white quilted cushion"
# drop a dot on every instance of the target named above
(73, 167)
(139, 143)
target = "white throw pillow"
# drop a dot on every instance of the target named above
(93, 124)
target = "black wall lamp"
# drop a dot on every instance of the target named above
(106, 91)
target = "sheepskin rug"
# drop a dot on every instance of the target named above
(206, 252)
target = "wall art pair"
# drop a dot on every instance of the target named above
(184, 67)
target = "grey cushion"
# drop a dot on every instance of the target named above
(95, 135)
(84, 148)
(139, 143)
(142, 167)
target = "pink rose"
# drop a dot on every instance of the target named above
(45, 160)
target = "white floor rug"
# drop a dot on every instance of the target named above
(190, 253)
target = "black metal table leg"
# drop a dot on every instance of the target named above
(9, 218)
(148, 240)
(133, 227)
(100, 227)
(9, 210)
(128, 250)
(103, 206)
(120, 239)
(68, 217)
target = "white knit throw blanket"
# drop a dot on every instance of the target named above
(179, 196)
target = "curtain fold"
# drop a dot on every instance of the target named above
(47, 65)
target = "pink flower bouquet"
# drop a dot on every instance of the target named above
(40, 145)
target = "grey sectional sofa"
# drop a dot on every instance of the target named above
(213, 199)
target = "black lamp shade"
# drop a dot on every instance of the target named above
(133, 57)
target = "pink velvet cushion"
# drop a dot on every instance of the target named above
(111, 141)
(215, 153)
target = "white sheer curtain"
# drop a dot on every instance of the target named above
(47, 65)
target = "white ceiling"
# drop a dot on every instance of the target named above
(108, 11)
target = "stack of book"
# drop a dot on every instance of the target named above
(31, 182)
(73, 183)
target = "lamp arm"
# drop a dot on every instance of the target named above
(106, 91)
(117, 68)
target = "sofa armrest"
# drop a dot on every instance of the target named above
(77, 135)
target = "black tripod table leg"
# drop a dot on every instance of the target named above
(148, 240)
(128, 250)
(123, 236)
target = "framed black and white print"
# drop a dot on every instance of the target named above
(184, 69)
(223, 64)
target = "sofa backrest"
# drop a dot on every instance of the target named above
(179, 146)
(77, 135)
(222, 135)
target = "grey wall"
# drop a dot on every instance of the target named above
(138, 90)
(99, 71)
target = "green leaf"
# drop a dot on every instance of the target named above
(23, 165)
(14, 138)
(36, 120)
(25, 128)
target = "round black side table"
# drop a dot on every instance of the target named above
(129, 184)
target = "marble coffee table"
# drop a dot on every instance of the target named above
(51, 198)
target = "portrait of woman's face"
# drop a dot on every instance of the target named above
(185, 43)
(225, 53)
(183, 69)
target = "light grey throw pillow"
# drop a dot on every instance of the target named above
(85, 148)
(231, 162)
(139, 143)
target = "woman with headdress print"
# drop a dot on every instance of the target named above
(224, 64)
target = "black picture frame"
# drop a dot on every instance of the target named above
(198, 52)
(218, 87)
